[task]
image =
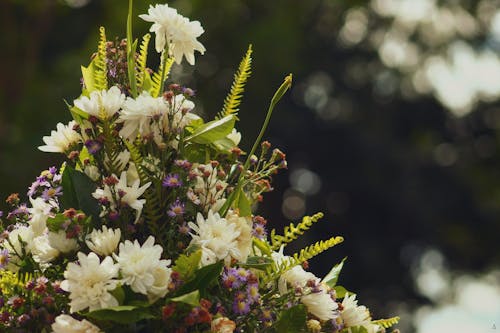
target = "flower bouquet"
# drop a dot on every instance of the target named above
(148, 226)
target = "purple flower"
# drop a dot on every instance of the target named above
(241, 306)
(53, 170)
(172, 180)
(259, 231)
(230, 278)
(93, 146)
(4, 258)
(176, 209)
(21, 210)
(52, 193)
(253, 292)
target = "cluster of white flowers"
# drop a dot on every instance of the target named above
(67, 324)
(102, 104)
(175, 32)
(208, 189)
(353, 315)
(60, 140)
(104, 241)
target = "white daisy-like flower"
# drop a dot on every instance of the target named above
(244, 240)
(217, 237)
(67, 324)
(61, 139)
(102, 104)
(295, 277)
(39, 214)
(352, 314)
(176, 30)
(59, 241)
(138, 113)
(209, 190)
(90, 282)
(21, 238)
(43, 253)
(104, 241)
(143, 269)
(321, 305)
(129, 194)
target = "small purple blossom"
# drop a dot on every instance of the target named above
(51, 193)
(188, 91)
(93, 146)
(230, 278)
(176, 209)
(253, 292)
(53, 170)
(185, 164)
(4, 258)
(21, 210)
(241, 307)
(184, 229)
(172, 180)
(259, 231)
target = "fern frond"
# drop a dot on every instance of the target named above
(101, 73)
(142, 59)
(233, 99)
(315, 249)
(292, 232)
(157, 84)
(386, 323)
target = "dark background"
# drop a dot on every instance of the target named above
(395, 171)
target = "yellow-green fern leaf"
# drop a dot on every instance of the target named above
(233, 99)
(100, 72)
(386, 323)
(315, 249)
(292, 232)
(142, 59)
(156, 79)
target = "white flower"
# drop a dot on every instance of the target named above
(244, 241)
(217, 238)
(92, 171)
(62, 243)
(104, 241)
(43, 253)
(67, 324)
(176, 30)
(234, 136)
(320, 304)
(39, 215)
(138, 113)
(296, 277)
(101, 104)
(90, 283)
(130, 194)
(222, 325)
(142, 267)
(15, 246)
(352, 314)
(209, 190)
(60, 140)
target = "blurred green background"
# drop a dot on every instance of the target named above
(391, 129)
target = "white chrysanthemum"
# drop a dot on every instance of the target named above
(176, 30)
(39, 214)
(321, 305)
(90, 282)
(61, 139)
(217, 238)
(209, 190)
(15, 246)
(130, 196)
(244, 241)
(101, 104)
(43, 253)
(104, 241)
(352, 314)
(67, 324)
(143, 269)
(295, 277)
(62, 243)
(138, 113)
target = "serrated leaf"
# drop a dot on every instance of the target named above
(124, 314)
(77, 192)
(292, 320)
(332, 277)
(212, 131)
(187, 265)
(192, 298)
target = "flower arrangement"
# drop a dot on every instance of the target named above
(148, 226)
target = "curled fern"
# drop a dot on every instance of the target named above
(233, 99)
(292, 232)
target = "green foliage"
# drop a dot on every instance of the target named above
(292, 320)
(331, 278)
(186, 265)
(386, 323)
(142, 61)
(159, 78)
(77, 192)
(315, 249)
(261, 263)
(244, 204)
(341, 291)
(203, 279)
(100, 71)
(212, 131)
(192, 298)
(123, 314)
(233, 99)
(292, 232)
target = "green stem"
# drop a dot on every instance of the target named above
(164, 58)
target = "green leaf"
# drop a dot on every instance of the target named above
(262, 245)
(192, 298)
(356, 329)
(256, 262)
(187, 265)
(88, 74)
(77, 192)
(224, 145)
(331, 278)
(292, 320)
(124, 314)
(244, 205)
(203, 278)
(119, 294)
(55, 223)
(196, 153)
(212, 131)
(341, 291)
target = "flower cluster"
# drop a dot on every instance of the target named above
(149, 225)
